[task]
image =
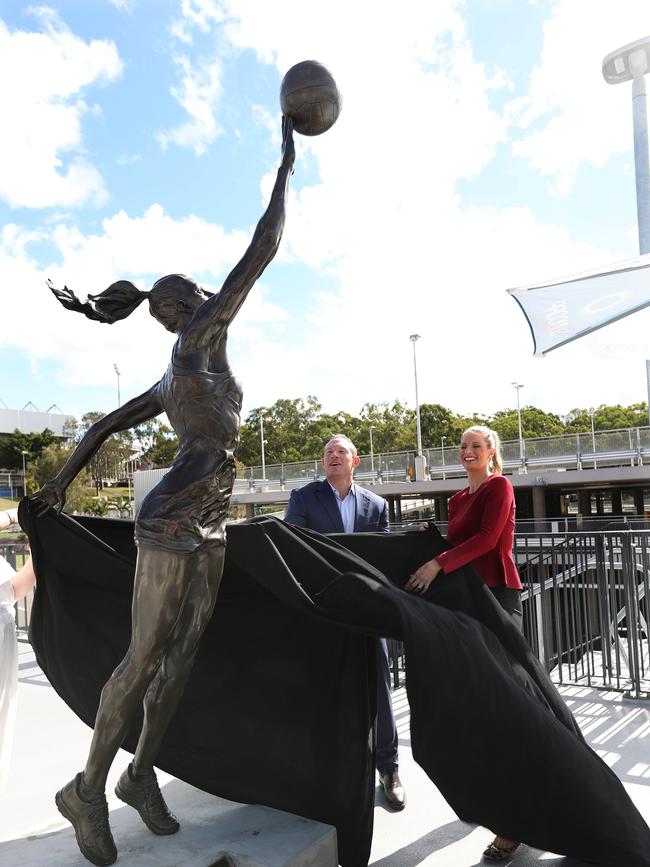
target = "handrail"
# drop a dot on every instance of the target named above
(616, 447)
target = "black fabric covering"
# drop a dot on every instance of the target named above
(279, 707)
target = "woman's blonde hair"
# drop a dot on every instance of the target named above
(492, 441)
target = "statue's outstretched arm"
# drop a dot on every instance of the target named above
(217, 313)
(137, 410)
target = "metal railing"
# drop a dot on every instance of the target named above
(576, 451)
(586, 604)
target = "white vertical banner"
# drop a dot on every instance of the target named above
(566, 309)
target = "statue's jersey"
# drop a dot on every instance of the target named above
(189, 506)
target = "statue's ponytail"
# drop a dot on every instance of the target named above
(111, 305)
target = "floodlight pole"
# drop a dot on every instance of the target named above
(631, 63)
(592, 412)
(522, 454)
(442, 455)
(117, 371)
(420, 460)
(262, 441)
(641, 162)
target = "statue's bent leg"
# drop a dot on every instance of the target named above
(166, 689)
(161, 582)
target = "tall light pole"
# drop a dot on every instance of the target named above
(372, 451)
(116, 369)
(262, 441)
(442, 455)
(592, 412)
(24, 454)
(414, 338)
(630, 63)
(522, 458)
(420, 463)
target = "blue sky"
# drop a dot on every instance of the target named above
(478, 148)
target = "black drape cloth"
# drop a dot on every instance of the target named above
(280, 704)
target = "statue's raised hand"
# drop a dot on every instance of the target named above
(51, 496)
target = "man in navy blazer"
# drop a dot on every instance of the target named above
(337, 505)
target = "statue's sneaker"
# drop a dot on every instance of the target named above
(89, 818)
(141, 792)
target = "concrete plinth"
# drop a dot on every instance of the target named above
(214, 833)
(51, 745)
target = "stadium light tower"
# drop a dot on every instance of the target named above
(24, 454)
(118, 373)
(630, 63)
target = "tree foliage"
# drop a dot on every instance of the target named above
(297, 429)
(47, 465)
(13, 446)
(108, 461)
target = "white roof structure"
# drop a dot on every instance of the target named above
(29, 421)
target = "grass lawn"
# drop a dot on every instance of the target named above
(110, 493)
(6, 503)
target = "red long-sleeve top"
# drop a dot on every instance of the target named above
(481, 529)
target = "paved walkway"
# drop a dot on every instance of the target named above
(51, 744)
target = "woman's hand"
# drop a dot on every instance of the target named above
(421, 579)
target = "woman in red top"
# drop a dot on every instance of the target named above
(481, 524)
(481, 529)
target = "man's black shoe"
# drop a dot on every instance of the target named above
(89, 819)
(140, 791)
(393, 790)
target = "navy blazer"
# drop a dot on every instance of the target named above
(315, 508)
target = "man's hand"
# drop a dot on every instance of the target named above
(288, 147)
(51, 495)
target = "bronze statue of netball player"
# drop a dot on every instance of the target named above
(180, 529)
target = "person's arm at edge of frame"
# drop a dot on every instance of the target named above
(24, 579)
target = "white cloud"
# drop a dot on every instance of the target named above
(122, 5)
(387, 222)
(141, 249)
(570, 116)
(42, 162)
(198, 94)
(384, 220)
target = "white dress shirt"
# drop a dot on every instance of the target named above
(347, 507)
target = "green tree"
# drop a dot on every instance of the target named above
(607, 417)
(534, 423)
(109, 459)
(13, 446)
(163, 448)
(394, 427)
(292, 428)
(47, 465)
(438, 421)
